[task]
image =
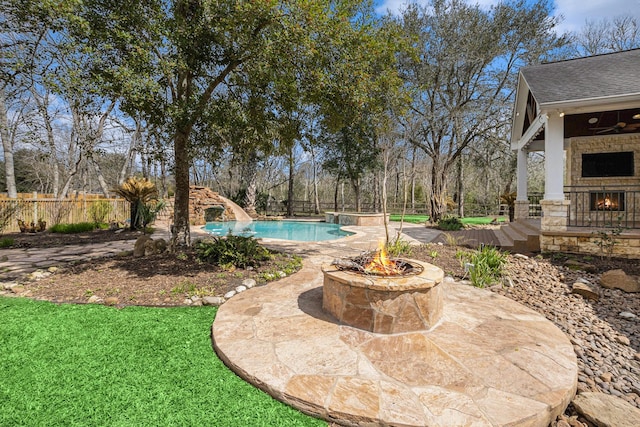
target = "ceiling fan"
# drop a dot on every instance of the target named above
(617, 128)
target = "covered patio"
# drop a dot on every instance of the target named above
(584, 115)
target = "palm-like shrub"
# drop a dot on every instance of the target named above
(138, 192)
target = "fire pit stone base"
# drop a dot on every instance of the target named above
(384, 304)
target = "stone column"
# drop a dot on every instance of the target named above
(521, 209)
(554, 215)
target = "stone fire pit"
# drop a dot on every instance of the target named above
(384, 304)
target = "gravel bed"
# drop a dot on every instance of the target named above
(605, 333)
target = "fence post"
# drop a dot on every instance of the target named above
(35, 207)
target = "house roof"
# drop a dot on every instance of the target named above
(601, 76)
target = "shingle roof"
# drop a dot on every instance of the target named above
(598, 76)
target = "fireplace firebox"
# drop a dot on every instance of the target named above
(607, 201)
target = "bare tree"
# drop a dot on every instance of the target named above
(604, 36)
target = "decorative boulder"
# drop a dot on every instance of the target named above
(585, 290)
(620, 280)
(139, 247)
(606, 410)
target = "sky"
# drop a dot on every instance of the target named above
(575, 12)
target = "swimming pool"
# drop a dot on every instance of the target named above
(305, 231)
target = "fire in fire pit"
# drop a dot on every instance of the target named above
(378, 263)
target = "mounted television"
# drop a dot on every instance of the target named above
(599, 165)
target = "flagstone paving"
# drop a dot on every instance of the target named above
(489, 362)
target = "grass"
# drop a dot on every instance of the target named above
(419, 219)
(91, 365)
(78, 227)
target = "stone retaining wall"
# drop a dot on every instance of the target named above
(627, 246)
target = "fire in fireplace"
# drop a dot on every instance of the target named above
(607, 201)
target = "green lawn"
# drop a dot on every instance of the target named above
(419, 219)
(91, 365)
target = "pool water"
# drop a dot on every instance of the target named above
(304, 231)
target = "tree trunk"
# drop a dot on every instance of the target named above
(250, 176)
(316, 199)
(460, 189)
(131, 152)
(355, 184)
(180, 232)
(7, 146)
(437, 205)
(101, 181)
(290, 187)
(43, 106)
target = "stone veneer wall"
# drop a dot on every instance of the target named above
(585, 243)
(602, 144)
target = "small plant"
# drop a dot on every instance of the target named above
(607, 240)
(484, 266)
(450, 223)
(399, 247)
(139, 192)
(236, 251)
(99, 211)
(433, 254)
(6, 242)
(79, 227)
(509, 198)
(147, 212)
(452, 240)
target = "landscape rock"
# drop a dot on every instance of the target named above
(241, 288)
(18, 289)
(605, 410)
(249, 283)
(9, 285)
(160, 245)
(38, 274)
(229, 294)
(585, 290)
(94, 299)
(622, 340)
(618, 279)
(212, 301)
(140, 245)
(627, 315)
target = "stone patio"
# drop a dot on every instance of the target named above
(489, 361)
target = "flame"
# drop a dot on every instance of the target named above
(381, 263)
(607, 203)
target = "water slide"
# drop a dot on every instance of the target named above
(241, 215)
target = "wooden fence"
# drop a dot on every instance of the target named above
(54, 211)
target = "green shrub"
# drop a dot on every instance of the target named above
(236, 251)
(79, 227)
(99, 211)
(399, 247)
(484, 265)
(6, 242)
(450, 223)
